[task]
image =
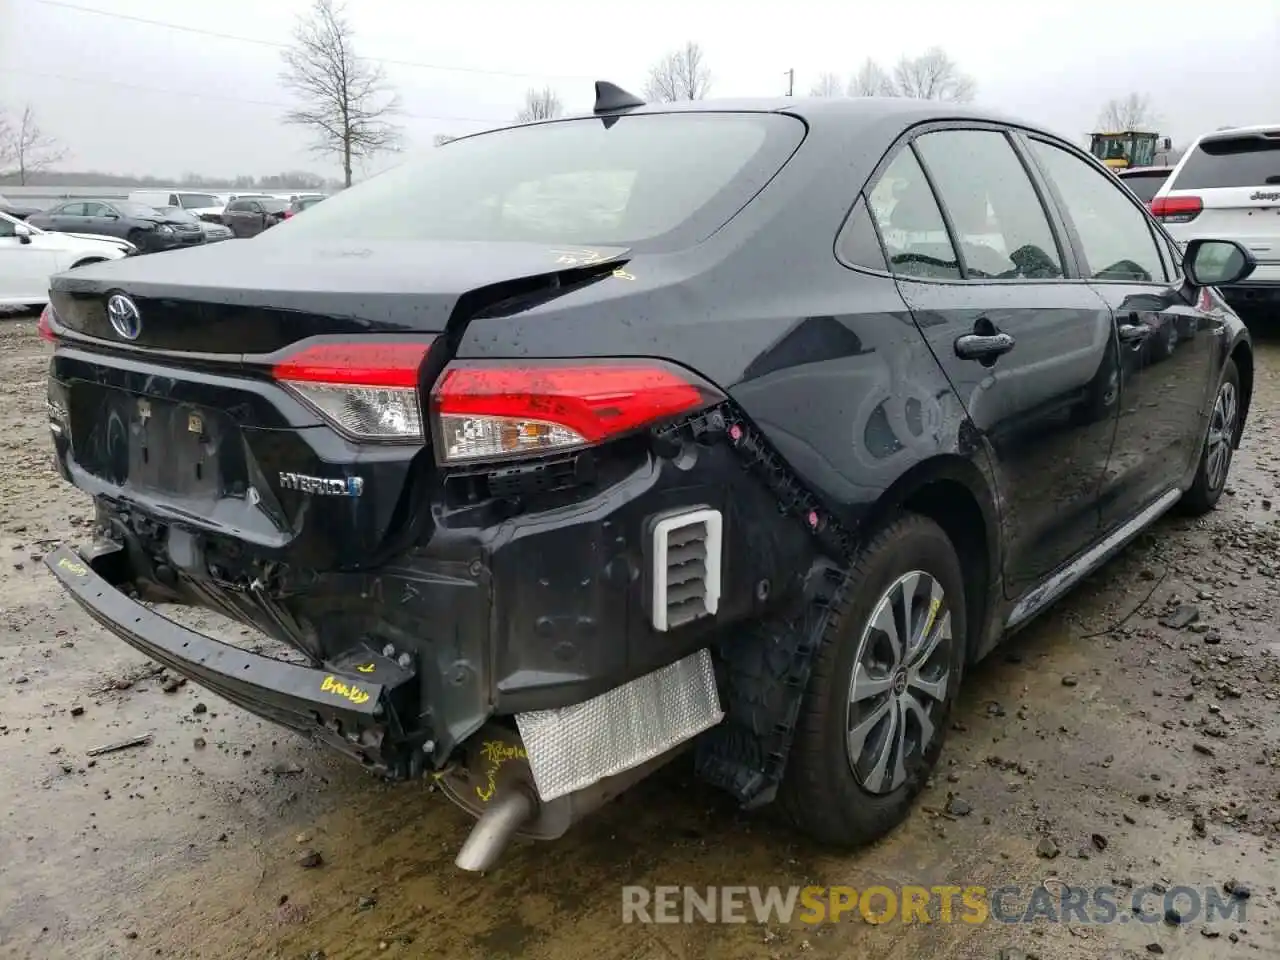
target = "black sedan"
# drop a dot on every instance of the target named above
(749, 427)
(249, 216)
(213, 232)
(145, 227)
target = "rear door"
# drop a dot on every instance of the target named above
(1227, 187)
(1029, 349)
(67, 218)
(1167, 345)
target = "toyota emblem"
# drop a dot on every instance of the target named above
(124, 316)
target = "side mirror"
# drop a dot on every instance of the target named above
(1168, 143)
(22, 232)
(111, 216)
(1213, 263)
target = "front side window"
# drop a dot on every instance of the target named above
(910, 223)
(632, 180)
(1115, 235)
(997, 217)
(6, 228)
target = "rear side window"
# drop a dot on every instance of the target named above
(1231, 162)
(858, 243)
(1114, 232)
(999, 223)
(911, 225)
(631, 180)
(70, 210)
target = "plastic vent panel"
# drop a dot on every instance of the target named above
(686, 568)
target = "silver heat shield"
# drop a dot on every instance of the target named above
(573, 747)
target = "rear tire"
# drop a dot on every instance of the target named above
(1219, 446)
(841, 788)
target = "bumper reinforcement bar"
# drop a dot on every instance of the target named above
(348, 711)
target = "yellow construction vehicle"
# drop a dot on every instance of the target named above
(1131, 148)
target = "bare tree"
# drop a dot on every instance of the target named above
(871, 80)
(932, 76)
(1127, 113)
(27, 149)
(827, 85)
(680, 75)
(541, 104)
(346, 101)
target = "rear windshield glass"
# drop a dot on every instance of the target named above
(1146, 185)
(576, 181)
(1232, 162)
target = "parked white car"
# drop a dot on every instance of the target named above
(1227, 187)
(29, 256)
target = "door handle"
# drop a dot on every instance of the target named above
(984, 347)
(1134, 332)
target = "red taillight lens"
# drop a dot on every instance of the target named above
(367, 390)
(1176, 209)
(44, 324)
(486, 411)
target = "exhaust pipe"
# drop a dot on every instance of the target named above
(495, 829)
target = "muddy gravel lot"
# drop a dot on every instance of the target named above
(1128, 739)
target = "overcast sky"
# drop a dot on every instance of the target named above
(133, 97)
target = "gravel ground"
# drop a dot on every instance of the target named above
(1112, 743)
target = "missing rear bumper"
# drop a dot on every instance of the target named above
(354, 712)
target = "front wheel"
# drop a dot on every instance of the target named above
(1219, 446)
(882, 688)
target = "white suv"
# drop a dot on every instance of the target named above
(1227, 186)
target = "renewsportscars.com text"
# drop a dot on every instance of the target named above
(1051, 901)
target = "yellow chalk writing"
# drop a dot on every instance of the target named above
(71, 566)
(348, 690)
(366, 668)
(496, 753)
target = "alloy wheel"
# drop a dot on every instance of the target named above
(1222, 431)
(900, 681)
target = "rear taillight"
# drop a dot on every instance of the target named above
(1176, 209)
(488, 411)
(368, 391)
(44, 326)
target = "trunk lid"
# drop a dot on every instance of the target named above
(186, 425)
(241, 298)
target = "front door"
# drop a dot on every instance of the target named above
(1031, 353)
(25, 268)
(1167, 345)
